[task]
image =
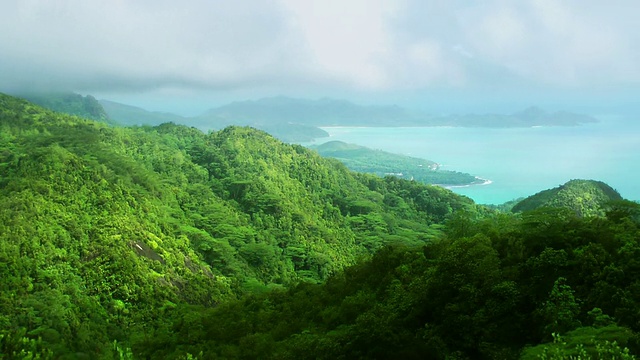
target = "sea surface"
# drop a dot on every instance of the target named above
(519, 162)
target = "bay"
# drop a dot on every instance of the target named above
(519, 161)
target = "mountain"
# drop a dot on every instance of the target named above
(382, 163)
(298, 120)
(132, 115)
(529, 117)
(70, 103)
(284, 111)
(322, 112)
(167, 243)
(332, 112)
(496, 286)
(584, 197)
(105, 231)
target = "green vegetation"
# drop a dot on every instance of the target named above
(585, 197)
(70, 103)
(362, 159)
(103, 229)
(492, 288)
(167, 243)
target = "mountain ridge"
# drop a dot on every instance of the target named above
(300, 120)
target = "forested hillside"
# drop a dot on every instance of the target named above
(544, 285)
(104, 230)
(585, 197)
(167, 243)
(70, 103)
(362, 159)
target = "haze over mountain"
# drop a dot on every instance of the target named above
(298, 120)
(334, 112)
(133, 115)
(70, 103)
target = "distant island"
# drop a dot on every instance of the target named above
(314, 114)
(300, 120)
(362, 159)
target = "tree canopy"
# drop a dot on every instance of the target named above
(164, 242)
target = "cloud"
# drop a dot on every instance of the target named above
(143, 43)
(346, 40)
(288, 45)
(565, 43)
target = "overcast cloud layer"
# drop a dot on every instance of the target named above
(376, 46)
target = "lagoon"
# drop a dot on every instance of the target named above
(519, 161)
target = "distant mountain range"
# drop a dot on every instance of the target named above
(331, 112)
(132, 115)
(532, 116)
(300, 120)
(323, 112)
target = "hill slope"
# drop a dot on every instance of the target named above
(585, 197)
(382, 163)
(70, 103)
(103, 230)
(492, 288)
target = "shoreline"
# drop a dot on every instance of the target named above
(480, 182)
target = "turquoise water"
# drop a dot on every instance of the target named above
(520, 161)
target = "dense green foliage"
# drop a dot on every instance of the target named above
(106, 231)
(489, 289)
(585, 197)
(164, 242)
(362, 159)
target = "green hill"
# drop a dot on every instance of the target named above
(104, 230)
(70, 103)
(545, 284)
(382, 163)
(585, 197)
(168, 243)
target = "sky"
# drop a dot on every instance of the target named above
(191, 55)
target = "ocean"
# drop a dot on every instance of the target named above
(519, 162)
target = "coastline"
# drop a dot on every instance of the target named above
(479, 182)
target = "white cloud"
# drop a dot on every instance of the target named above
(346, 40)
(372, 45)
(565, 43)
(197, 42)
